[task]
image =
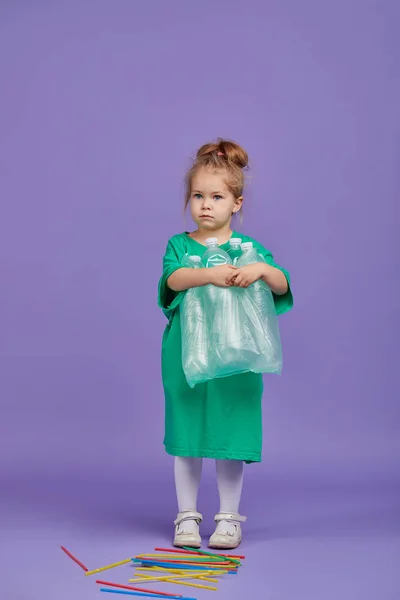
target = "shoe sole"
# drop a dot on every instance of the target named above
(224, 546)
(187, 544)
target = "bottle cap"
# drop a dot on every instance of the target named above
(235, 241)
(247, 245)
(211, 242)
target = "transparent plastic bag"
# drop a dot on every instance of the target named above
(228, 331)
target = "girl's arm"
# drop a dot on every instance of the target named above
(184, 279)
(275, 279)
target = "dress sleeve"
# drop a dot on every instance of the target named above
(168, 300)
(284, 302)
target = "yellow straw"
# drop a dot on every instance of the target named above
(196, 585)
(148, 578)
(183, 571)
(177, 579)
(204, 576)
(162, 577)
(117, 564)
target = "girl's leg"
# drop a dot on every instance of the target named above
(230, 484)
(187, 481)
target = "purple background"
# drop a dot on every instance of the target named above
(102, 104)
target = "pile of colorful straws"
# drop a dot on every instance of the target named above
(187, 567)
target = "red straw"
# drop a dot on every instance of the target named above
(136, 589)
(194, 552)
(78, 562)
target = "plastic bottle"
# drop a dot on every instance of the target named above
(192, 262)
(234, 249)
(193, 324)
(215, 256)
(249, 255)
(263, 307)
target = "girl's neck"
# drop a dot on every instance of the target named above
(222, 234)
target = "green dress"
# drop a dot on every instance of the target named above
(222, 418)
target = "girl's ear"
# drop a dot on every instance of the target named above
(238, 204)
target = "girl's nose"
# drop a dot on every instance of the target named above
(206, 203)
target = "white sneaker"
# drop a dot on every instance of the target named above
(228, 533)
(187, 529)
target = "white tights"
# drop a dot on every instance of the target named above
(187, 481)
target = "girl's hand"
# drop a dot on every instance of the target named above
(222, 276)
(245, 276)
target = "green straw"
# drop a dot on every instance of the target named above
(218, 556)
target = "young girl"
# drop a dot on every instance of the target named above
(220, 419)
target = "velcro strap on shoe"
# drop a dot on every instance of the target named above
(188, 515)
(230, 517)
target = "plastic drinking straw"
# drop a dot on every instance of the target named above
(183, 574)
(168, 572)
(213, 555)
(225, 564)
(186, 558)
(112, 591)
(211, 565)
(194, 551)
(189, 559)
(78, 562)
(135, 589)
(164, 580)
(213, 572)
(117, 564)
(162, 564)
(196, 585)
(167, 576)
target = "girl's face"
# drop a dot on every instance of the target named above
(211, 203)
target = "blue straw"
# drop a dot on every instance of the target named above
(111, 591)
(153, 563)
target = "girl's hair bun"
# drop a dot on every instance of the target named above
(225, 150)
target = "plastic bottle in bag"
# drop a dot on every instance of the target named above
(260, 308)
(215, 256)
(194, 328)
(192, 262)
(223, 322)
(235, 250)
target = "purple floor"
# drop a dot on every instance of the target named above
(304, 542)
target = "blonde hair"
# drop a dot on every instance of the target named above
(221, 155)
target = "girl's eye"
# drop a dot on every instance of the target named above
(217, 197)
(197, 196)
